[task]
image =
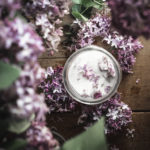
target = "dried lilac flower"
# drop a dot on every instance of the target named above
(137, 81)
(97, 95)
(39, 137)
(131, 17)
(117, 113)
(105, 65)
(46, 16)
(8, 8)
(130, 133)
(100, 26)
(107, 89)
(56, 96)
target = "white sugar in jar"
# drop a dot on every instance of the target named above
(91, 75)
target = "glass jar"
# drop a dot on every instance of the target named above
(91, 53)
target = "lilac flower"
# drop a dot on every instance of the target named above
(40, 137)
(131, 17)
(20, 45)
(117, 113)
(8, 8)
(21, 35)
(137, 81)
(126, 48)
(100, 26)
(28, 101)
(105, 65)
(46, 15)
(56, 96)
(86, 32)
(97, 95)
(130, 133)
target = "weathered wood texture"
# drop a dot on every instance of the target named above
(141, 140)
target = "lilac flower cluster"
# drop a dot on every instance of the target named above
(20, 37)
(117, 113)
(125, 48)
(46, 16)
(100, 26)
(131, 17)
(21, 46)
(8, 8)
(56, 96)
(39, 137)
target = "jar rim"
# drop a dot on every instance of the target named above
(72, 92)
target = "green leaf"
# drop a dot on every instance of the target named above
(76, 8)
(92, 139)
(8, 74)
(17, 144)
(79, 16)
(77, 1)
(20, 125)
(87, 3)
(91, 3)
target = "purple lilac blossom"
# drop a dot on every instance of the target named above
(130, 133)
(40, 137)
(21, 38)
(56, 96)
(47, 15)
(131, 17)
(125, 47)
(8, 8)
(97, 95)
(118, 114)
(21, 46)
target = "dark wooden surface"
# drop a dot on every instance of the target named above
(137, 96)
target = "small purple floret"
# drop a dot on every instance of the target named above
(97, 95)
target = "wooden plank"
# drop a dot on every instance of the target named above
(62, 53)
(141, 140)
(66, 125)
(138, 95)
(65, 53)
(52, 62)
